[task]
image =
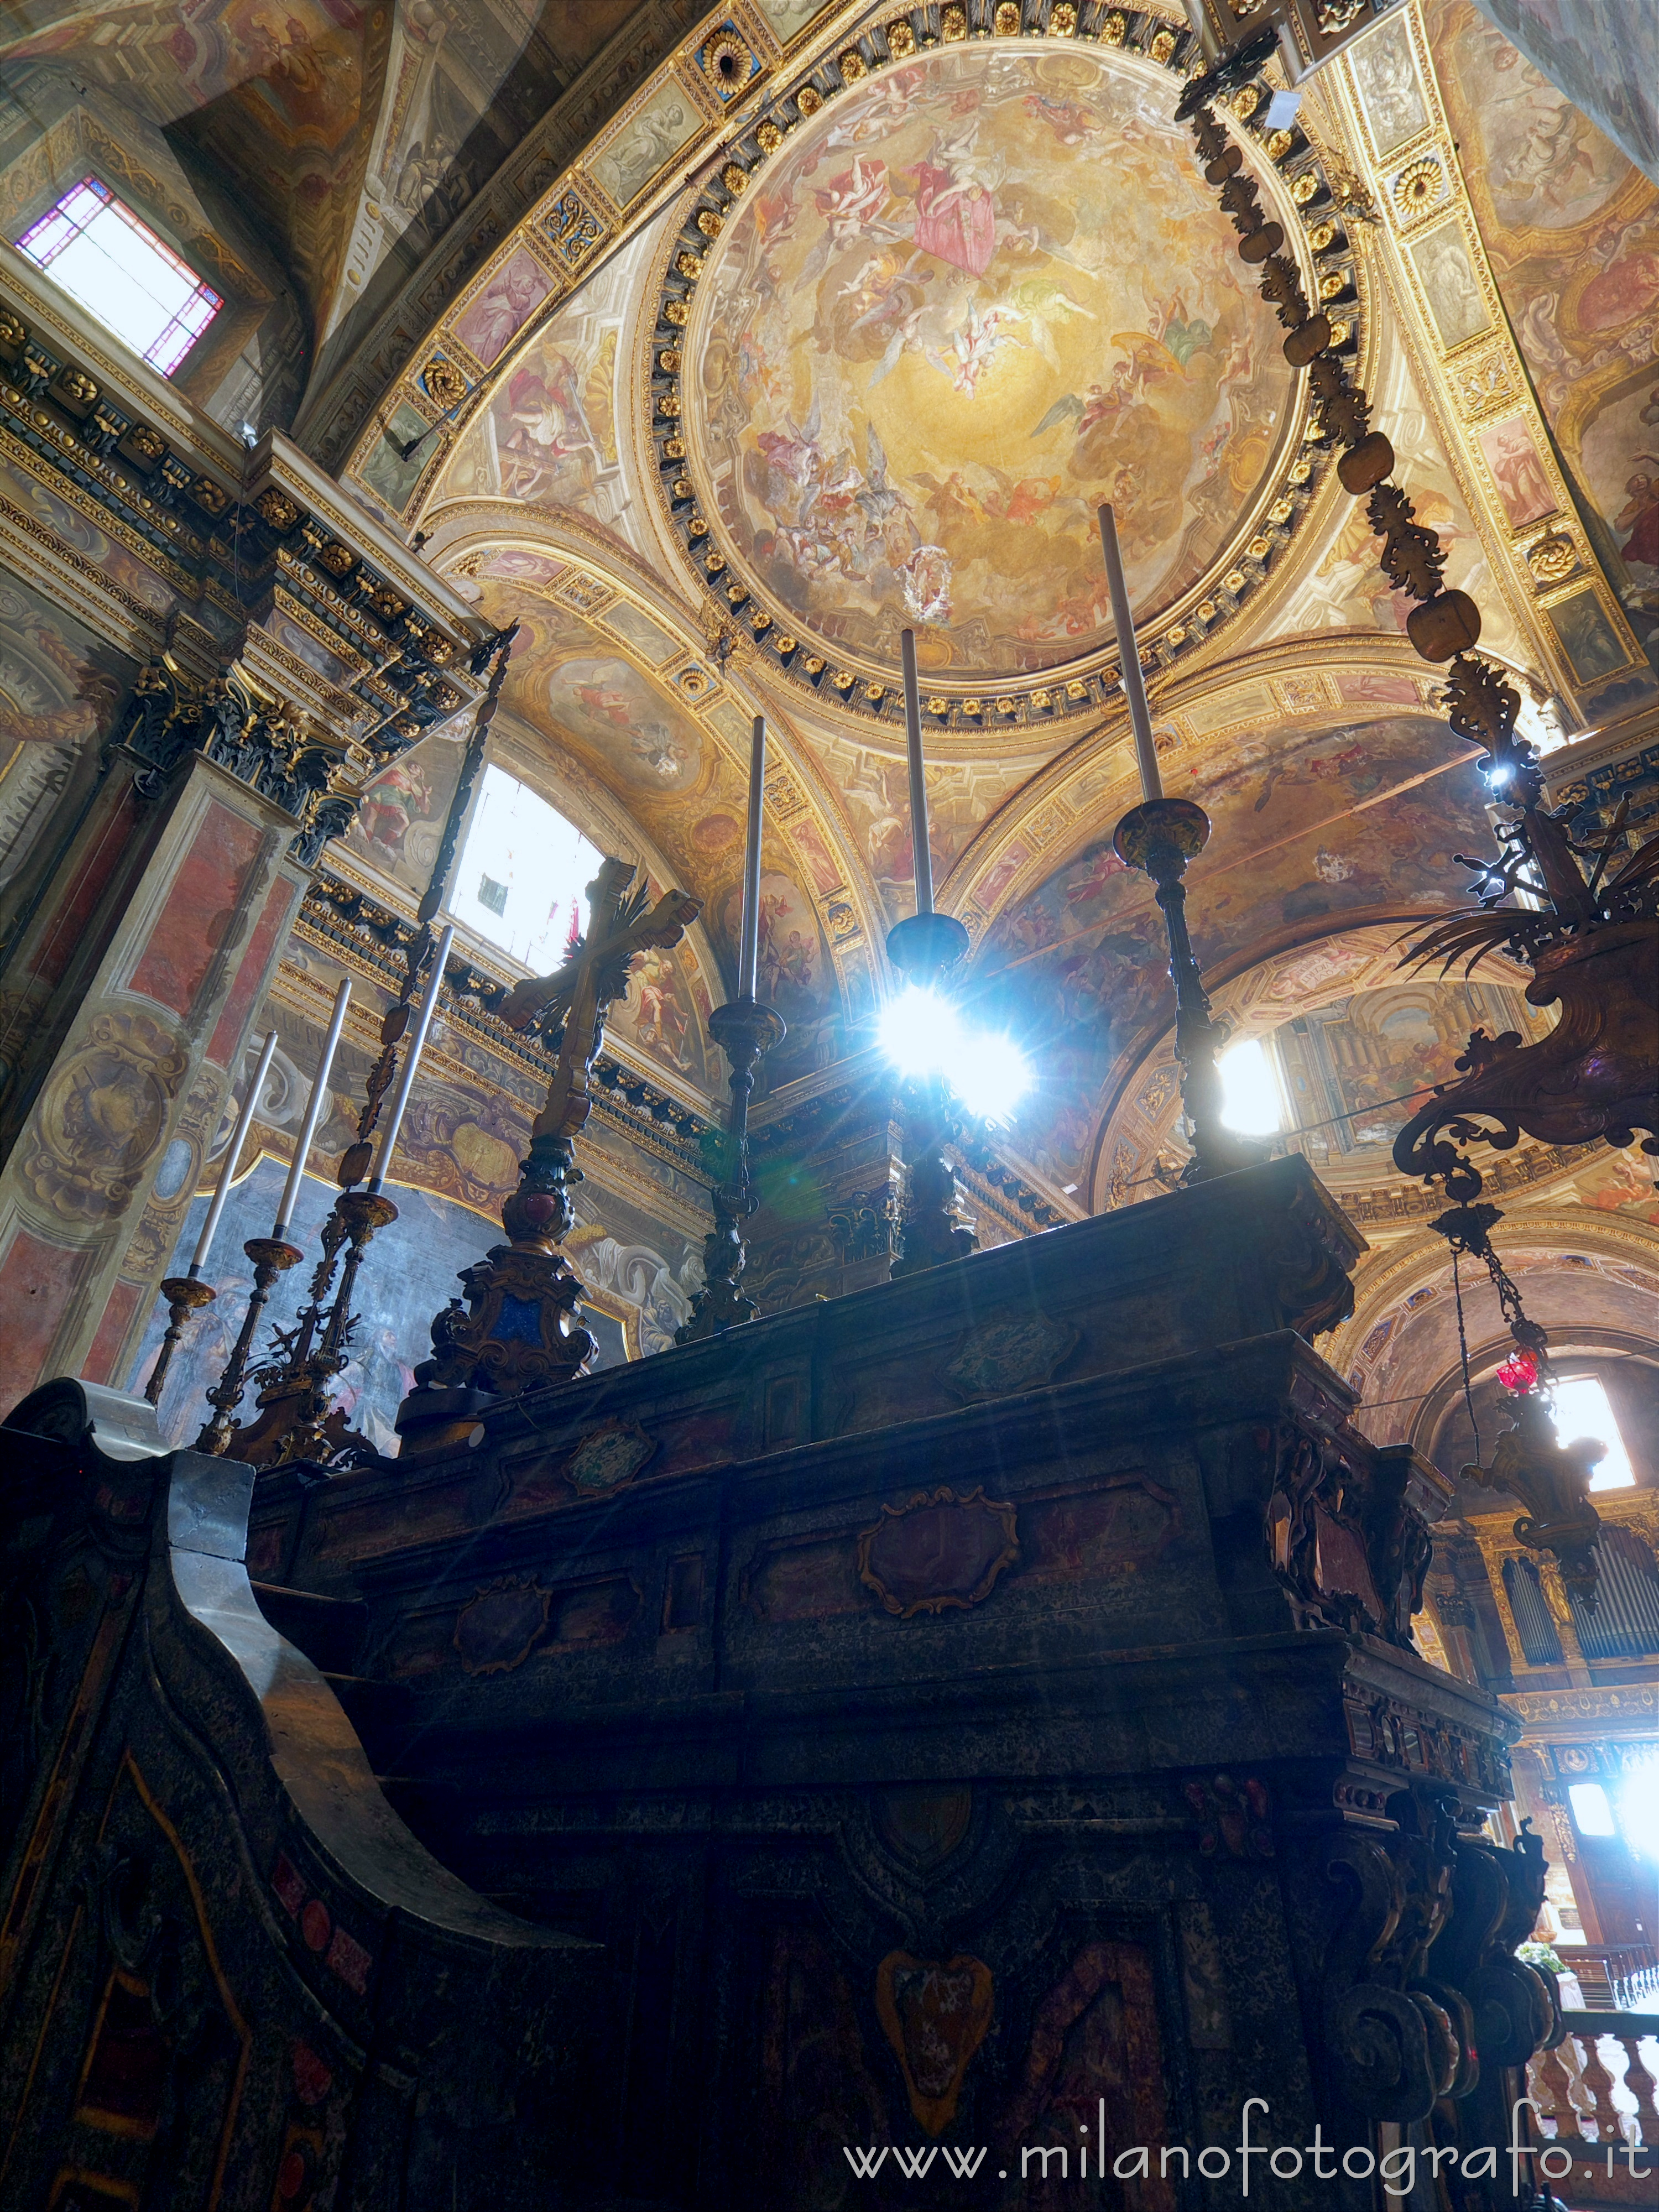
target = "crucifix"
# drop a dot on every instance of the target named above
(515, 1327)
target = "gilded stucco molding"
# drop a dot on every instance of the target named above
(1454, 322)
(1629, 1709)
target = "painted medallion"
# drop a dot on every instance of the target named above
(974, 298)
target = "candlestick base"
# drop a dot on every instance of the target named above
(744, 1030)
(186, 1295)
(271, 1257)
(519, 1330)
(295, 1420)
(931, 1230)
(1159, 836)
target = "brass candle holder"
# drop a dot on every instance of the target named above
(186, 1295)
(272, 1256)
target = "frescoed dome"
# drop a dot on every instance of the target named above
(974, 298)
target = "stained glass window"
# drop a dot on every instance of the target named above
(99, 253)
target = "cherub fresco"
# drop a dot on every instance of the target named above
(897, 294)
(549, 450)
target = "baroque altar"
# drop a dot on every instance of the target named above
(978, 1714)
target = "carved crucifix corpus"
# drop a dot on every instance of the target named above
(591, 980)
(519, 1331)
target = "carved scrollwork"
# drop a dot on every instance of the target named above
(1316, 1535)
(1392, 2044)
(1310, 1265)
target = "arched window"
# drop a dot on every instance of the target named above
(522, 881)
(1539, 1644)
(1583, 1408)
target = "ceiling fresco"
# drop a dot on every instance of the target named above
(1573, 230)
(1521, 248)
(711, 394)
(907, 341)
(1338, 825)
(982, 294)
(1354, 1064)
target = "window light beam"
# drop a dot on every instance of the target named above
(1583, 1409)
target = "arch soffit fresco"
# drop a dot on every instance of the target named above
(805, 828)
(1536, 1240)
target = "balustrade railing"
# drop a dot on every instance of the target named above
(1595, 2093)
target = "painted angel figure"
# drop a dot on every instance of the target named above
(551, 426)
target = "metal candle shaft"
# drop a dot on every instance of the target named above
(228, 1168)
(749, 944)
(313, 1111)
(428, 1007)
(922, 853)
(1134, 690)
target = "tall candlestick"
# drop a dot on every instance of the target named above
(1134, 690)
(227, 1169)
(428, 1007)
(920, 852)
(749, 943)
(313, 1111)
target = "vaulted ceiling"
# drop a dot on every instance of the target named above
(354, 135)
(712, 347)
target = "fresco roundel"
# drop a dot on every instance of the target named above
(973, 299)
